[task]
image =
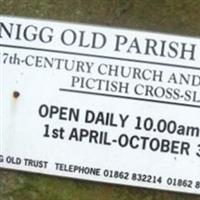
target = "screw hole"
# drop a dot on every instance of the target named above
(16, 94)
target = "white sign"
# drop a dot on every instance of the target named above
(102, 104)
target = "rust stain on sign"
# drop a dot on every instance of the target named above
(14, 101)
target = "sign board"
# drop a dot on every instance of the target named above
(103, 104)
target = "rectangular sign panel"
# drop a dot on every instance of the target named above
(102, 104)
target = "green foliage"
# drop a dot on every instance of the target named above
(173, 16)
(23, 186)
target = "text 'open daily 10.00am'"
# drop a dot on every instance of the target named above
(102, 104)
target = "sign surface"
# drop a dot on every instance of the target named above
(102, 104)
